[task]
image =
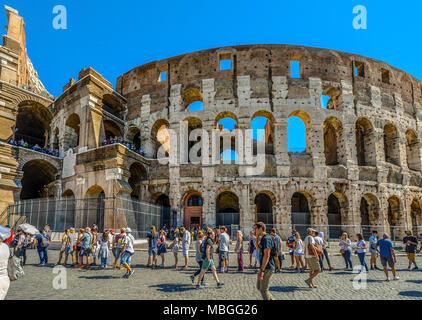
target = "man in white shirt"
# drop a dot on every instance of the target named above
(4, 259)
(127, 253)
(185, 245)
(224, 242)
(311, 257)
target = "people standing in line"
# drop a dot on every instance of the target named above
(290, 244)
(152, 238)
(43, 240)
(162, 242)
(63, 247)
(361, 250)
(387, 255)
(373, 239)
(252, 250)
(4, 260)
(104, 249)
(277, 242)
(127, 252)
(411, 246)
(239, 250)
(208, 262)
(298, 253)
(346, 250)
(71, 246)
(119, 239)
(199, 256)
(185, 245)
(266, 260)
(319, 240)
(175, 246)
(223, 243)
(86, 246)
(311, 257)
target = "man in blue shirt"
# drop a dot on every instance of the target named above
(388, 255)
(277, 241)
(43, 240)
(373, 239)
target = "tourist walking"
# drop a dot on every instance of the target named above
(162, 242)
(311, 257)
(63, 247)
(387, 255)
(104, 249)
(4, 260)
(266, 260)
(208, 261)
(291, 244)
(152, 239)
(43, 240)
(186, 237)
(319, 240)
(252, 254)
(71, 246)
(411, 246)
(239, 250)
(298, 253)
(119, 239)
(346, 250)
(127, 252)
(373, 239)
(199, 256)
(224, 242)
(277, 242)
(361, 250)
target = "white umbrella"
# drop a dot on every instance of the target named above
(29, 229)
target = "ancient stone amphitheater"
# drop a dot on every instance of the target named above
(361, 166)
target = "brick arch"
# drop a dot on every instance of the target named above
(26, 156)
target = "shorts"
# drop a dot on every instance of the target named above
(153, 252)
(69, 250)
(297, 254)
(313, 264)
(411, 256)
(389, 260)
(186, 251)
(84, 252)
(94, 251)
(374, 255)
(224, 255)
(116, 252)
(208, 264)
(126, 258)
(163, 249)
(176, 249)
(291, 253)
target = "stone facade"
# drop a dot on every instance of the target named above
(362, 159)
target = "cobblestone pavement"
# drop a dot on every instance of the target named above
(171, 284)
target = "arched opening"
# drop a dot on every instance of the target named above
(413, 153)
(228, 210)
(301, 216)
(333, 142)
(161, 137)
(262, 126)
(393, 216)
(137, 174)
(391, 144)
(416, 215)
(72, 128)
(369, 212)
(37, 175)
(365, 143)
(33, 124)
(164, 202)
(134, 137)
(299, 132)
(331, 99)
(227, 122)
(264, 209)
(95, 204)
(193, 100)
(334, 217)
(193, 210)
(112, 130)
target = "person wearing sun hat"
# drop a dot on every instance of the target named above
(127, 253)
(4, 259)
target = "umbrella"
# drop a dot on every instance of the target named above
(4, 233)
(29, 229)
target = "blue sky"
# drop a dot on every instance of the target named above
(114, 37)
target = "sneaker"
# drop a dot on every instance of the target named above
(415, 268)
(192, 278)
(408, 268)
(308, 282)
(388, 279)
(220, 284)
(131, 273)
(126, 276)
(396, 278)
(200, 287)
(204, 284)
(372, 268)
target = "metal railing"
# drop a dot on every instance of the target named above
(106, 213)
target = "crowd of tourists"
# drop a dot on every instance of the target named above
(130, 146)
(83, 248)
(23, 144)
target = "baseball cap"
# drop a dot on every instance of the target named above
(128, 230)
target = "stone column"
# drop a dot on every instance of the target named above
(317, 149)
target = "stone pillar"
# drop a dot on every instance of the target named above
(208, 93)
(317, 149)
(147, 142)
(247, 213)
(281, 148)
(244, 91)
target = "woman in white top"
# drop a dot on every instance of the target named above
(361, 250)
(346, 250)
(298, 253)
(4, 259)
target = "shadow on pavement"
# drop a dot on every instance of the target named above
(172, 287)
(289, 289)
(413, 294)
(99, 277)
(415, 281)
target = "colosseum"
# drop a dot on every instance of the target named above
(361, 168)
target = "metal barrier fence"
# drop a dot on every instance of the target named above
(333, 232)
(106, 213)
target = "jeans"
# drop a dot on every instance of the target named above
(42, 253)
(240, 261)
(104, 262)
(263, 285)
(346, 257)
(22, 255)
(362, 260)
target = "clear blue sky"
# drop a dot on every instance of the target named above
(116, 36)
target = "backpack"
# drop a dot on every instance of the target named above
(273, 248)
(203, 246)
(14, 268)
(44, 241)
